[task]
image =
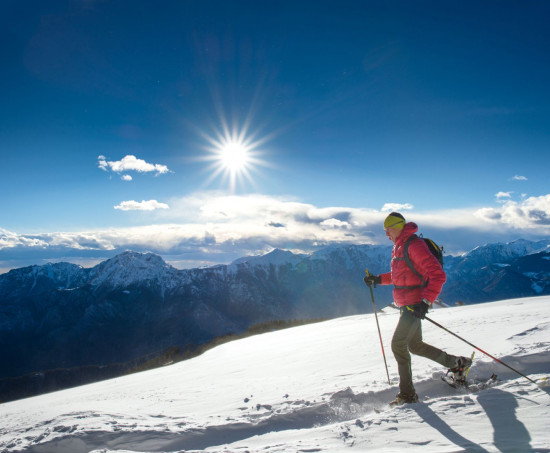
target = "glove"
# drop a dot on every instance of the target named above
(420, 310)
(371, 280)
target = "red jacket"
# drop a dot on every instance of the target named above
(402, 275)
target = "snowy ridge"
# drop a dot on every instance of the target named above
(502, 252)
(320, 387)
(276, 257)
(350, 255)
(130, 268)
(53, 275)
(66, 274)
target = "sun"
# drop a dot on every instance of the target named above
(235, 156)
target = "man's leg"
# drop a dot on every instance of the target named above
(418, 347)
(405, 331)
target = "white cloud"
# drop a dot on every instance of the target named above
(489, 214)
(501, 196)
(149, 205)
(102, 163)
(126, 177)
(530, 213)
(11, 239)
(131, 163)
(334, 223)
(519, 178)
(389, 207)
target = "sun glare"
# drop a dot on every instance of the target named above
(235, 156)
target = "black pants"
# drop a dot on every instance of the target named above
(407, 339)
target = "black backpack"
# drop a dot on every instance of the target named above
(436, 250)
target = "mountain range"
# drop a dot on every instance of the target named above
(135, 305)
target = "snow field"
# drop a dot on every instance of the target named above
(318, 387)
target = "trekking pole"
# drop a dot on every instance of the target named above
(474, 346)
(378, 326)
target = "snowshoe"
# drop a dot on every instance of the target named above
(403, 398)
(461, 369)
(474, 385)
(453, 382)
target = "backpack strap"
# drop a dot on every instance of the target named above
(407, 258)
(411, 265)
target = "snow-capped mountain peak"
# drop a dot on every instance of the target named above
(130, 268)
(276, 257)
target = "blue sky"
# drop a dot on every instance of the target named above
(115, 117)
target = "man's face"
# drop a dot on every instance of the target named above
(393, 233)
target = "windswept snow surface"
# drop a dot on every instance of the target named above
(315, 388)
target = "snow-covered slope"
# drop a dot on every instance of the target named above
(315, 388)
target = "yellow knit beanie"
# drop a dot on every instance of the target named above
(394, 220)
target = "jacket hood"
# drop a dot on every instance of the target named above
(409, 229)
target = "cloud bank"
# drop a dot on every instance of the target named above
(211, 228)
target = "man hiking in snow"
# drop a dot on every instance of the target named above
(413, 295)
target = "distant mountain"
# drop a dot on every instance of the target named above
(496, 271)
(134, 305)
(63, 315)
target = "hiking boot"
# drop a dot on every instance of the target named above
(403, 398)
(461, 368)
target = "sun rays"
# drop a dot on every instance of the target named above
(235, 156)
